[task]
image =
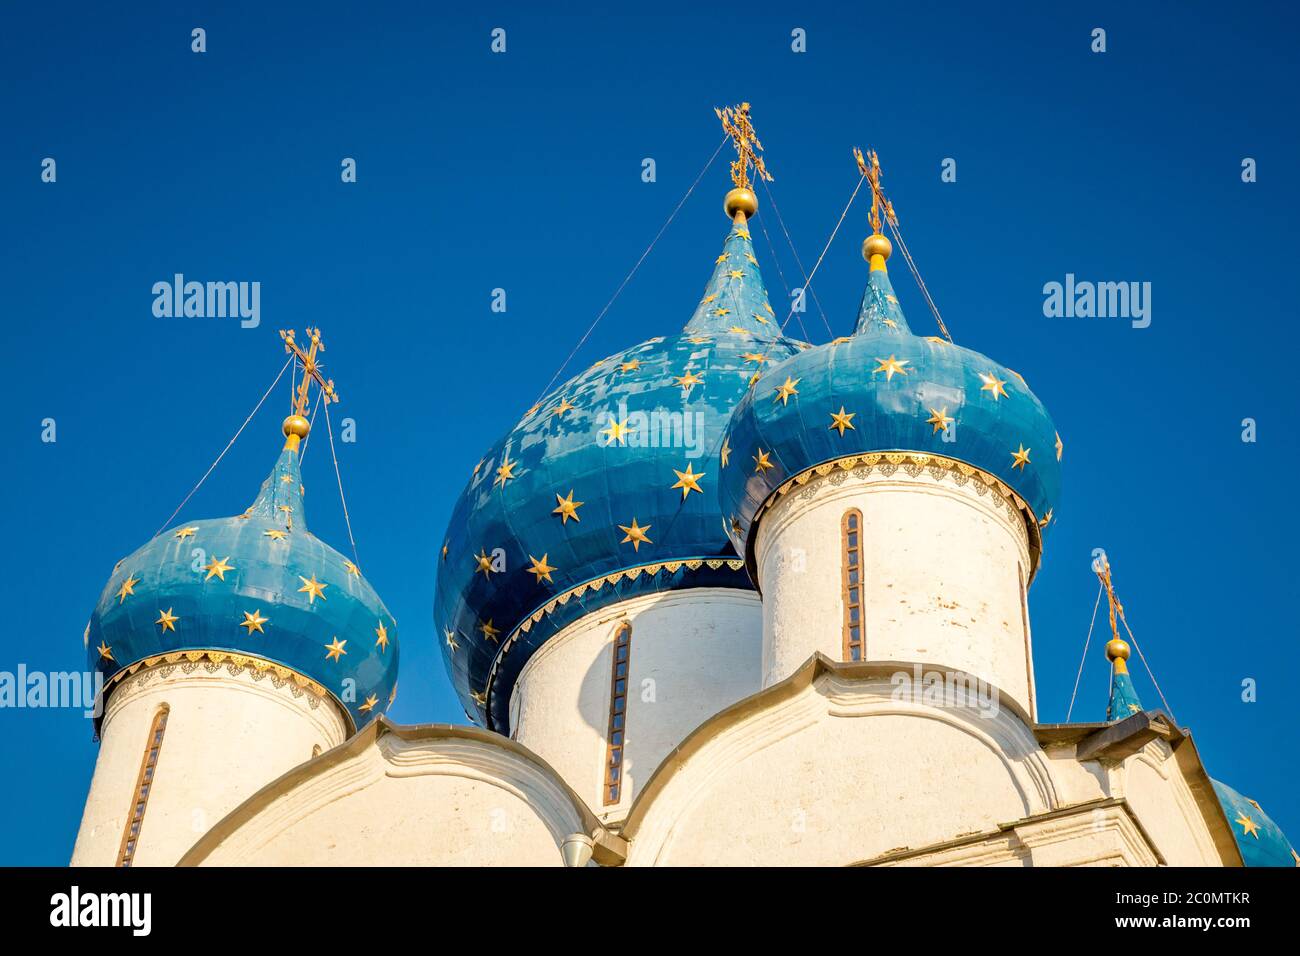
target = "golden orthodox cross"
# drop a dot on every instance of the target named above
(310, 368)
(737, 125)
(870, 168)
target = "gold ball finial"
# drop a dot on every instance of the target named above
(741, 200)
(876, 245)
(1116, 648)
(296, 425)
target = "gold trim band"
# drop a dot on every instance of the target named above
(629, 574)
(252, 662)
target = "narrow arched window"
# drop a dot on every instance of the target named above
(620, 675)
(851, 549)
(143, 786)
(1024, 630)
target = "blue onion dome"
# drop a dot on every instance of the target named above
(258, 589)
(605, 489)
(1260, 840)
(885, 395)
(1124, 700)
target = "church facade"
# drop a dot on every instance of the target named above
(723, 598)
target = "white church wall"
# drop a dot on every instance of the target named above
(943, 559)
(419, 796)
(227, 734)
(835, 772)
(1158, 790)
(693, 653)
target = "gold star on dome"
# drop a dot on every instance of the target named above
(935, 339)
(725, 451)
(735, 526)
(757, 357)
(721, 311)
(749, 256)
(531, 409)
(1248, 826)
(688, 481)
(540, 569)
(314, 589)
(889, 366)
(105, 652)
(381, 639)
(737, 329)
(1046, 519)
(352, 569)
(722, 258)
(842, 421)
(891, 323)
(761, 320)
(708, 298)
(186, 532)
(1059, 446)
(287, 509)
(286, 478)
(484, 563)
(753, 379)
(841, 340)
(505, 472)
(275, 534)
(566, 508)
(689, 380)
(490, 632)
(128, 587)
(450, 636)
(768, 306)
(217, 568)
(636, 534)
(444, 551)
(254, 621)
(698, 339)
(735, 274)
(564, 406)
(939, 418)
(741, 234)
(617, 431)
(167, 619)
(369, 705)
(786, 389)
(993, 384)
(761, 461)
(1021, 458)
(479, 697)
(335, 651)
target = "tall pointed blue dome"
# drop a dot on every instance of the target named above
(258, 588)
(886, 392)
(1260, 841)
(605, 489)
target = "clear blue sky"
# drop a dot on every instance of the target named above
(522, 171)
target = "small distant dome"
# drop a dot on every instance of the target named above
(1260, 840)
(259, 586)
(605, 489)
(884, 390)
